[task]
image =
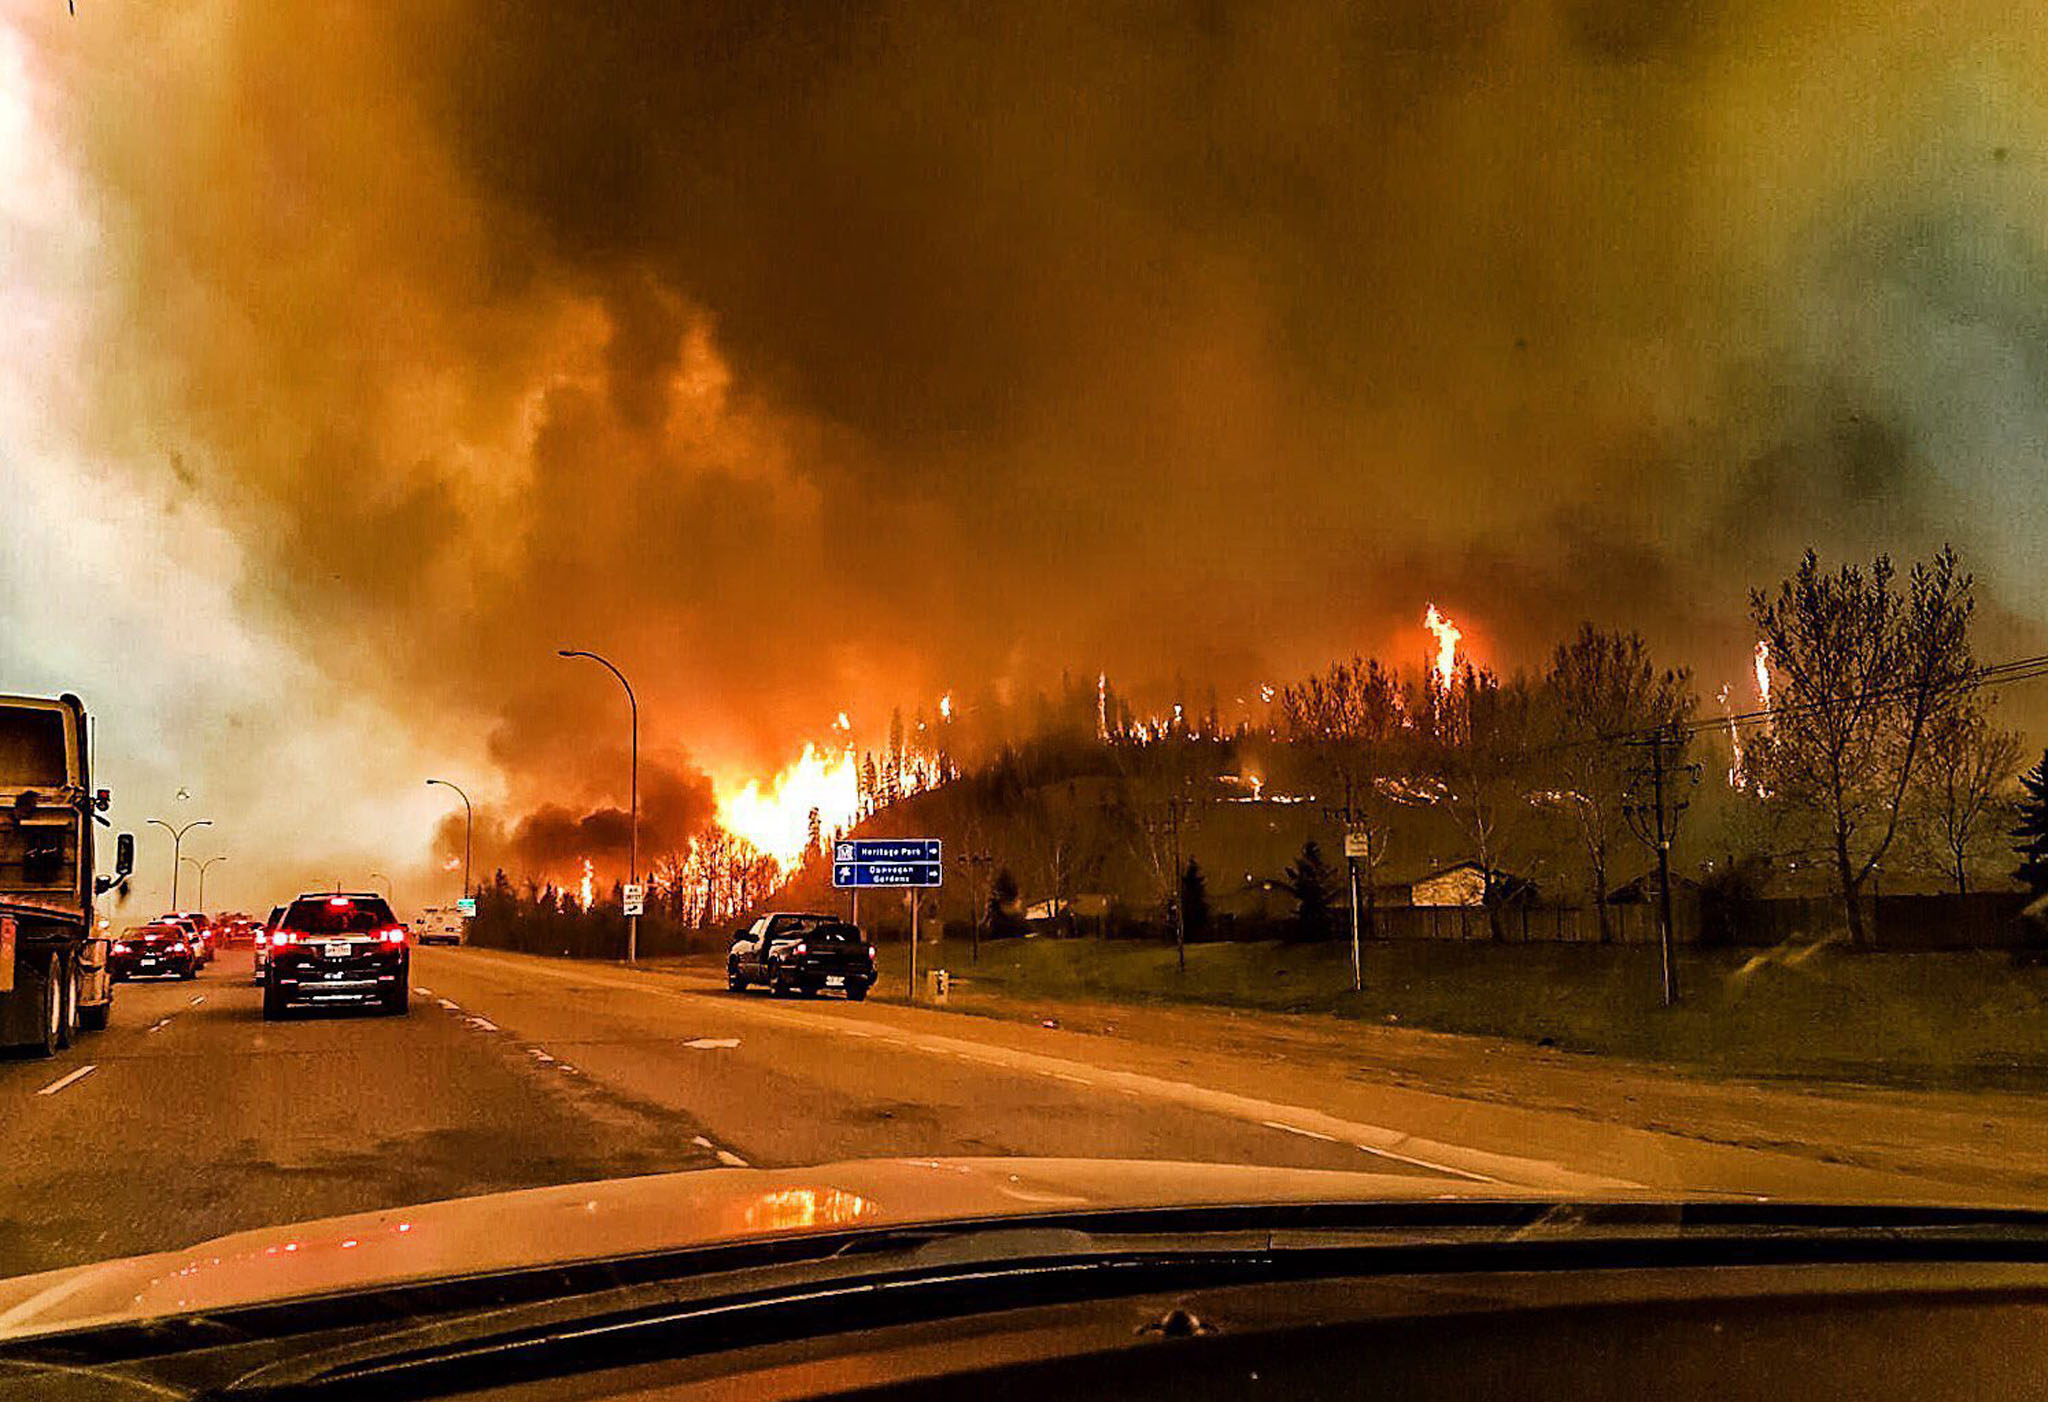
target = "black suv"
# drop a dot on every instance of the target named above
(346, 947)
(801, 953)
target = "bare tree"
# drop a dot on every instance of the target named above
(1864, 670)
(1348, 722)
(1480, 735)
(1969, 764)
(1064, 838)
(1160, 804)
(1602, 689)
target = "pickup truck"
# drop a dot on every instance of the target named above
(54, 978)
(794, 952)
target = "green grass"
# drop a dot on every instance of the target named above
(1964, 1018)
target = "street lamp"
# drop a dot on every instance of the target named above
(468, 830)
(177, 845)
(377, 876)
(202, 877)
(633, 851)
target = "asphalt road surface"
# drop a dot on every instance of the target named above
(191, 1116)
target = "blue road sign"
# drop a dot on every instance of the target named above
(891, 861)
(886, 849)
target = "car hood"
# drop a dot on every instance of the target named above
(662, 1212)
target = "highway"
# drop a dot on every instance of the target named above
(192, 1116)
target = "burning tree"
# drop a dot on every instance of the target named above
(1348, 721)
(1865, 671)
(1602, 688)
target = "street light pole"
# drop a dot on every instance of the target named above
(177, 847)
(377, 876)
(468, 829)
(202, 877)
(633, 850)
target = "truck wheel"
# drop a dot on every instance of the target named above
(50, 1039)
(67, 1018)
(274, 1005)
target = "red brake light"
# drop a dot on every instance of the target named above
(178, 947)
(394, 934)
(120, 947)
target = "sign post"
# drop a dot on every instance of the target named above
(916, 863)
(1357, 843)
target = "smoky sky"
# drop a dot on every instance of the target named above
(820, 357)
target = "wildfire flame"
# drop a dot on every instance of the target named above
(1763, 672)
(946, 706)
(778, 819)
(1448, 635)
(1737, 779)
(842, 723)
(589, 884)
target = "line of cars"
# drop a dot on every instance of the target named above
(174, 945)
(319, 949)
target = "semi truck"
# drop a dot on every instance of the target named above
(54, 979)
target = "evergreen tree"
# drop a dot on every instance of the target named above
(1194, 900)
(2032, 831)
(1313, 885)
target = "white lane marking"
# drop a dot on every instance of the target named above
(538, 1055)
(700, 1141)
(62, 1081)
(197, 999)
(1297, 1129)
(451, 1005)
(1065, 1076)
(713, 1043)
(423, 992)
(1465, 1173)
(483, 1024)
(730, 1159)
(1485, 1165)
(161, 1023)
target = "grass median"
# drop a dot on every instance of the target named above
(1818, 1011)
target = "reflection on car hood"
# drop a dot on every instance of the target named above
(626, 1216)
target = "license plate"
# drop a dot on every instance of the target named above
(149, 963)
(836, 981)
(339, 949)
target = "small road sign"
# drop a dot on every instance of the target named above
(636, 900)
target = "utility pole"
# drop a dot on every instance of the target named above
(633, 857)
(177, 845)
(1656, 824)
